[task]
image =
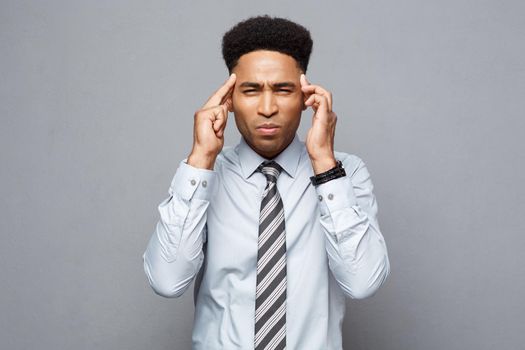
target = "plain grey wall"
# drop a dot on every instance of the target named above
(96, 104)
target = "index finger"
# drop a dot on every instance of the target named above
(219, 95)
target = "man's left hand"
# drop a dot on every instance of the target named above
(320, 137)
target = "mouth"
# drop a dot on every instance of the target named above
(268, 129)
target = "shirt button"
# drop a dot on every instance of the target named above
(193, 182)
(204, 183)
(330, 196)
(320, 198)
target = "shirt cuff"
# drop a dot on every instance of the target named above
(190, 182)
(335, 194)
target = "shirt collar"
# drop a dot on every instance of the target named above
(288, 159)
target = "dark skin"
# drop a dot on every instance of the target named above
(267, 92)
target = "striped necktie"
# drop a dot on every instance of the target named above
(270, 299)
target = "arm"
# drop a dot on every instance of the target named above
(357, 253)
(174, 252)
(356, 249)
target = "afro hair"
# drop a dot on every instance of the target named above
(267, 33)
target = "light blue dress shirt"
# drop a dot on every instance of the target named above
(334, 246)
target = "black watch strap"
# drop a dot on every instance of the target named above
(334, 173)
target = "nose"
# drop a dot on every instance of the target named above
(267, 104)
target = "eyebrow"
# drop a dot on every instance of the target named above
(275, 85)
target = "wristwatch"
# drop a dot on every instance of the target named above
(334, 173)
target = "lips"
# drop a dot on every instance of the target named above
(268, 128)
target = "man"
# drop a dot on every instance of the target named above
(277, 231)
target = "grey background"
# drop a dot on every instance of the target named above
(96, 104)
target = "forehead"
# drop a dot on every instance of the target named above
(264, 65)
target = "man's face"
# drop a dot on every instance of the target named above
(267, 100)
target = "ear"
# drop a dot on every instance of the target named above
(229, 103)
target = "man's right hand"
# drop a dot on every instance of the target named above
(209, 124)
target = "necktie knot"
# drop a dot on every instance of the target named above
(270, 169)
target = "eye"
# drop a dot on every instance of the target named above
(251, 90)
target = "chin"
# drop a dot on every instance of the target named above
(269, 152)
(267, 146)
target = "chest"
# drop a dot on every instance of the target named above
(233, 219)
